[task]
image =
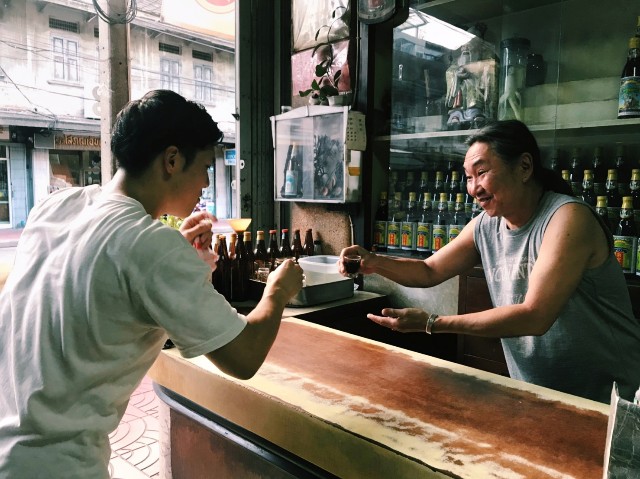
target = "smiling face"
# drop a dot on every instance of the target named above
(497, 185)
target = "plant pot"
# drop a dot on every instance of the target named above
(336, 100)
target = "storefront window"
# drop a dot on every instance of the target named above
(73, 168)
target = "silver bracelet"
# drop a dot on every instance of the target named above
(430, 322)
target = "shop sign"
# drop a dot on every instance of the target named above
(75, 142)
(230, 157)
(4, 133)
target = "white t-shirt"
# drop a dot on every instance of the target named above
(96, 286)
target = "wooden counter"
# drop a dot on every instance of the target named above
(357, 408)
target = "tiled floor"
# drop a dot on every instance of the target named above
(134, 445)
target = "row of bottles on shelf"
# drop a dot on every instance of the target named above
(239, 262)
(416, 227)
(600, 168)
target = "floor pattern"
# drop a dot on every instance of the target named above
(134, 444)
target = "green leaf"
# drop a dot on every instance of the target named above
(314, 84)
(337, 76)
(328, 90)
(305, 93)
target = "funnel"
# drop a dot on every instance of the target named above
(239, 225)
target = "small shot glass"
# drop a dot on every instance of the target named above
(262, 274)
(352, 265)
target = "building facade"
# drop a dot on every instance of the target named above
(50, 90)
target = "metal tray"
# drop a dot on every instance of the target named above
(311, 295)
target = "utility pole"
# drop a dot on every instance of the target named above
(115, 86)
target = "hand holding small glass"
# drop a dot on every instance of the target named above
(351, 264)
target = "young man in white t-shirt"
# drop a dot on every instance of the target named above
(97, 285)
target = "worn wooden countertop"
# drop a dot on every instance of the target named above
(358, 408)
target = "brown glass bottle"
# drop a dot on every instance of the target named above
(260, 254)
(239, 271)
(599, 170)
(296, 246)
(222, 274)
(246, 237)
(308, 243)
(273, 250)
(285, 244)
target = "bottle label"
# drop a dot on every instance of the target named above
(291, 183)
(380, 234)
(625, 249)
(454, 231)
(409, 232)
(423, 239)
(629, 97)
(393, 235)
(439, 237)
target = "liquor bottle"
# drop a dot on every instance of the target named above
(625, 238)
(380, 224)
(629, 95)
(599, 172)
(588, 195)
(285, 191)
(458, 220)
(296, 247)
(634, 188)
(234, 269)
(246, 236)
(614, 200)
(273, 251)
(476, 209)
(409, 225)
(285, 244)
(440, 224)
(454, 189)
(438, 187)
(393, 184)
(425, 226)
(452, 167)
(394, 223)
(222, 274)
(260, 254)
(565, 176)
(575, 173)
(239, 270)
(423, 186)
(555, 161)
(291, 174)
(317, 247)
(602, 210)
(409, 185)
(308, 243)
(624, 170)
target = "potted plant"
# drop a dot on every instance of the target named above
(325, 83)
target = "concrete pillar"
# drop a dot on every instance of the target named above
(115, 84)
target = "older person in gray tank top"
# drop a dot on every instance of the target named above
(561, 305)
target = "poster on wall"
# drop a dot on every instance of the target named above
(211, 17)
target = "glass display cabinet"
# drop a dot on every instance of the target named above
(554, 64)
(315, 155)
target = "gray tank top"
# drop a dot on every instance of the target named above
(594, 341)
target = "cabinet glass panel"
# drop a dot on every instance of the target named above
(459, 64)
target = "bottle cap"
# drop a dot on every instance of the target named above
(634, 42)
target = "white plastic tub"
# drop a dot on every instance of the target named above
(320, 269)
